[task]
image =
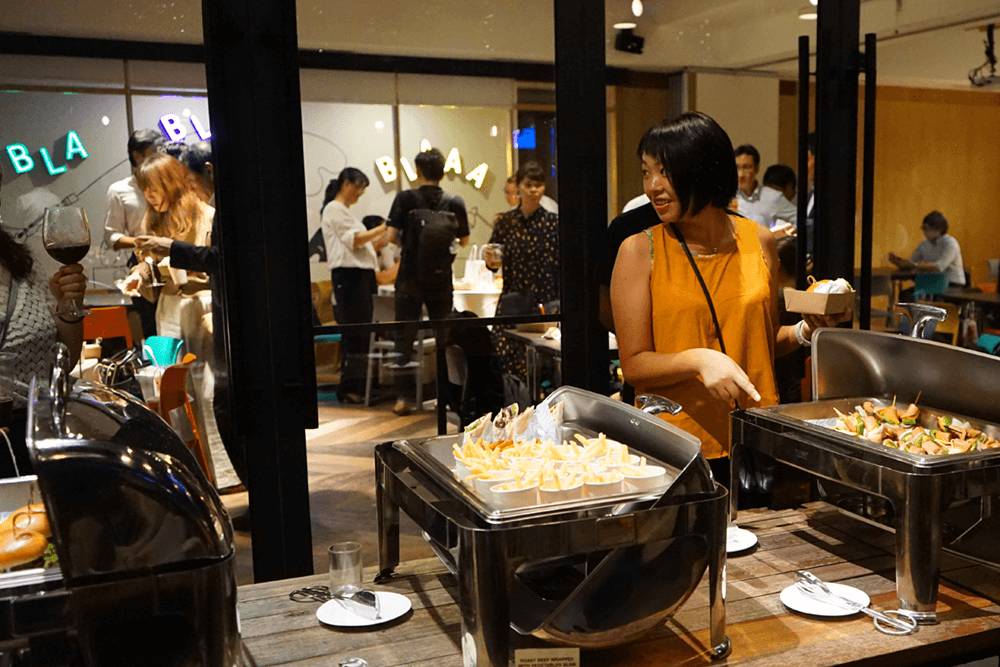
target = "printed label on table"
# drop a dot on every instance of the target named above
(547, 657)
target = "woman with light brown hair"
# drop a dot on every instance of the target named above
(184, 308)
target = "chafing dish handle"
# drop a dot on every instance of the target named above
(654, 405)
(59, 387)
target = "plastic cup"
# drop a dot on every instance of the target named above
(345, 567)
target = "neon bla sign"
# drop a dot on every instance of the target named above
(387, 167)
(173, 127)
(21, 158)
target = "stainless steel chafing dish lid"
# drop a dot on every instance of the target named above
(849, 363)
(678, 451)
(123, 492)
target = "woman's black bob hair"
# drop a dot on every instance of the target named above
(697, 157)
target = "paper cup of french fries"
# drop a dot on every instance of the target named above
(644, 477)
(559, 488)
(606, 483)
(484, 481)
(514, 494)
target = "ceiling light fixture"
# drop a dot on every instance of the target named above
(814, 3)
(626, 40)
(624, 25)
(637, 8)
(808, 14)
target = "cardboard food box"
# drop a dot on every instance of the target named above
(799, 301)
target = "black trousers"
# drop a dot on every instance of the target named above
(411, 297)
(353, 289)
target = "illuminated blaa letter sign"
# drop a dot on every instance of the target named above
(386, 168)
(53, 170)
(453, 163)
(408, 169)
(18, 154)
(202, 133)
(424, 145)
(171, 125)
(477, 175)
(75, 147)
(23, 162)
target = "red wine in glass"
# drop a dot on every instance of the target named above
(66, 237)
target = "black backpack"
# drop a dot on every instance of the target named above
(436, 229)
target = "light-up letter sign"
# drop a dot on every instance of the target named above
(203, 134)
(18, 154)
(453, 163)
(408, 169)
(171, 125)
(53, 170)
(386, 168)
(75, 147)
(424, 145)
(477, 175)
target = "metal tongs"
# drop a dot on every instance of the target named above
(812, 586)
(365, 598)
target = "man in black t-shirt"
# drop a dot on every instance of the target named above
(627, 224)
(416, 287)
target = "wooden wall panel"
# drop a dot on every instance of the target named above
(937, 150)
(636, 110)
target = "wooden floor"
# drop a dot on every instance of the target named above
(342, 483)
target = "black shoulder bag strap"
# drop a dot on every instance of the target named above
(11, 299)
(704, 289)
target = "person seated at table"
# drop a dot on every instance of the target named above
(939, 252)
(352, 256)
(695, 298)
(30, 323)
(530, 238)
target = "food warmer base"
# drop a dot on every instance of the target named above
(931, 503)
(595, 573)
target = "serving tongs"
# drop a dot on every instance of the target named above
(896, 622)
(367, 600)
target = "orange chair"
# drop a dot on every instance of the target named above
(173, 394)
(111, 322)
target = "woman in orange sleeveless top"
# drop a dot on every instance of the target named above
(667, 336)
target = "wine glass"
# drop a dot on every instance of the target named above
(66, 237)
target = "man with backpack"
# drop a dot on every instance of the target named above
(429, 225)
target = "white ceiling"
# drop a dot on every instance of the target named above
(922, 42)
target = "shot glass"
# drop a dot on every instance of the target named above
(345, 567)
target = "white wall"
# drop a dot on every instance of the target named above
(747, 109)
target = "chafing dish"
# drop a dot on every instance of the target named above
(592, 573)
(145, 547)
(930, 502)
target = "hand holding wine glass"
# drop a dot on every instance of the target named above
(66, 237)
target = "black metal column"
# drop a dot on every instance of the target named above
(581, 120)
(838, 29)
(251, 59)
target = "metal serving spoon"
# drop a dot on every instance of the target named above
(815, 588)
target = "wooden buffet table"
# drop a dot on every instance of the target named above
(763, 632)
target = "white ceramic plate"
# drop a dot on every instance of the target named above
(738, 539)
(798, 601)
(341, 612)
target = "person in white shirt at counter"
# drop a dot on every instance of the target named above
(352, 256)
(749, 190)
(126, 208)
(939, 252)
(776, 200)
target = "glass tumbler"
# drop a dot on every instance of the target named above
(345, 568)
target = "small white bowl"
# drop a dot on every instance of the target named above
(506, 499)
(561, 495)
(613, 464)
(597, 489)
(461, 470)
(654, 479)
(483, 482)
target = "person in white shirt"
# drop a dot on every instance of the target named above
(939, 252)
(749, 190)
(776, 197)
(352, 256)
(126, 207)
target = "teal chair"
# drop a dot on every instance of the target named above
(162, 350)
(929, 284)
